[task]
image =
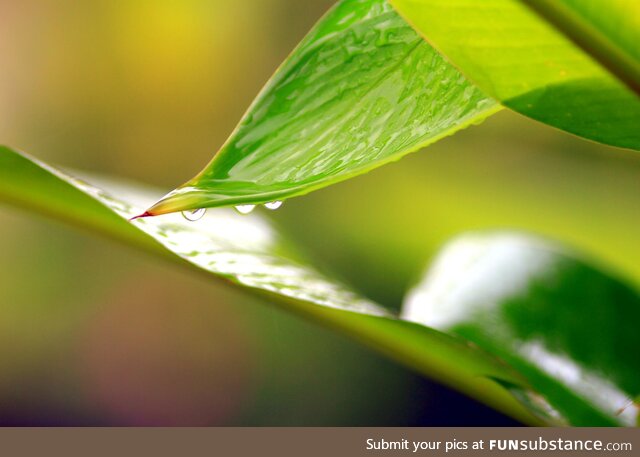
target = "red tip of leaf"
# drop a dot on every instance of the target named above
(145, 214)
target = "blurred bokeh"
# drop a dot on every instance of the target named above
(92, 333)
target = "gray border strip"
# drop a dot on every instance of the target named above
(307, 442)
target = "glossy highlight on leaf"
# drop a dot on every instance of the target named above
(574, 65)
(362, 89)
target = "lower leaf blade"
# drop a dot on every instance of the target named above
(247, 252)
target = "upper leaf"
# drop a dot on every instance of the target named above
(362, 89)
(570, 64)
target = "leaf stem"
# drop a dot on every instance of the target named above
(590, 39)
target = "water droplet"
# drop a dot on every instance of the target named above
(273, 205)
(245, 209)
(194, 214)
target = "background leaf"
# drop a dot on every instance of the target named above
(531, 63)
(567, 327)
(513, 296)
(362, 89)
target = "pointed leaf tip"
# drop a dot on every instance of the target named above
(145, 214)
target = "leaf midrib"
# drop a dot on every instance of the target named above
(587, 37)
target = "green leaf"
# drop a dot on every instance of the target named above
(567, 330)
(361, 90)
(571, 64)
(570, 329)
(248, 252)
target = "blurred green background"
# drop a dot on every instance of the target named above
(92, 333)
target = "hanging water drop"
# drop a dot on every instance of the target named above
(245, 209)
(194, 214)
(273, 205)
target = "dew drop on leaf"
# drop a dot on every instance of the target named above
(273, 205)
(245, 209)
(194, 215)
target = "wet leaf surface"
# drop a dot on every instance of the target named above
(573, 65)
(361, 90)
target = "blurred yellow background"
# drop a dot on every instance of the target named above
(147, 91)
